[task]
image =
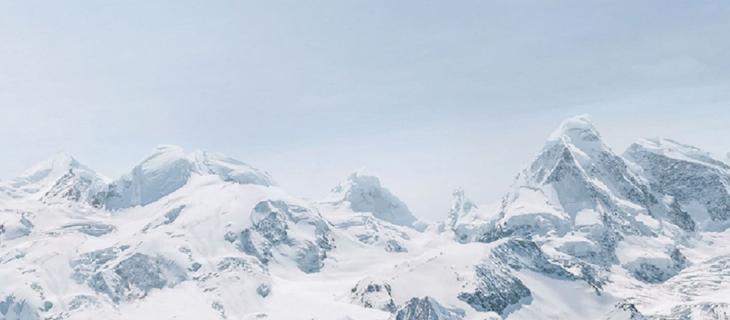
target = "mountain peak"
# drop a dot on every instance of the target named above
(366, 194)
(169, 168)
(59, 178)
(53, 167)
(579, 128)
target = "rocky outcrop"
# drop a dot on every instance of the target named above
(270, 232)
(697, 182)
(496, 290)
(427, 308)
(373, 293)
(126, 278)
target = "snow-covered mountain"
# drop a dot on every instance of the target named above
(57, 179)
(683, 174)
(583, 233)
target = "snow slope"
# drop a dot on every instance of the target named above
(584, 233)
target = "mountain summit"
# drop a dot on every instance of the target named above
(60, 178)
(169, 168)
(583, 233)
(364, 193)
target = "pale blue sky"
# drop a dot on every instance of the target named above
(429, 95)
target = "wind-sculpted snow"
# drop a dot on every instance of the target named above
(169, 168)
(700, 184)
(427, 308)
(270, 232)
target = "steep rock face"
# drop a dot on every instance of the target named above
(577, 183)
(373, 293)
(169, 168)
(581, 200)
(496, 290)
(520, 253)
(427, 308)
(364, 193)
(463, 218)
(461, 207)
(126, 278)
(289, 230)
(696, 184)
(656, 270)
(625, 311)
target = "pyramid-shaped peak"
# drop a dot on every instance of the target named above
(52, 168)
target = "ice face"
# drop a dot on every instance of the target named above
(169, 168)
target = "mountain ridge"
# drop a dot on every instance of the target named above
(195, 235)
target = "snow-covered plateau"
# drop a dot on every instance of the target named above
(583, 233)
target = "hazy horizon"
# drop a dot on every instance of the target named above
(429, 96)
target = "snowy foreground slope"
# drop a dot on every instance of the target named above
(583, 233)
